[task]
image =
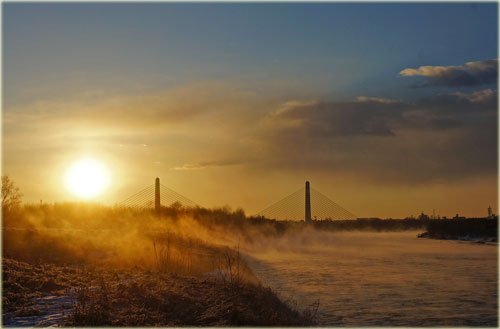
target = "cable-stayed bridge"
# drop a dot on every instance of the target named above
(305, 203)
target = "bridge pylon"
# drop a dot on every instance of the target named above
(308, 203)
(157, 196)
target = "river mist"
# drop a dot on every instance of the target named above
(382, 279)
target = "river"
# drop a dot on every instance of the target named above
(382, 279)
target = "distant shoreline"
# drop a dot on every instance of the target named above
(483, 231)
(471, 239)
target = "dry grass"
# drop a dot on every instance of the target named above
(139, 297)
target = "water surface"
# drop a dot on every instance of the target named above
(383, 279)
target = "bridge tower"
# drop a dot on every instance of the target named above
(308, 203)
(157, 195)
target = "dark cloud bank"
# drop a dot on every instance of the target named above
(436, 139)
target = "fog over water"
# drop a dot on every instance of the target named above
(382, 279)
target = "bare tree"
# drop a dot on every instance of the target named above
(11, 195)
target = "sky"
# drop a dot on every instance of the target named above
(389, 109)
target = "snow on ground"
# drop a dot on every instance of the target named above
(52, 312)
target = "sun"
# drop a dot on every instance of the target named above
(87, 178)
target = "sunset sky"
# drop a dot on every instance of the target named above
(389, 109)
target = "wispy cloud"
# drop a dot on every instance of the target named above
(481, 96)
(469, 74)
(207, 164)
(377, 100)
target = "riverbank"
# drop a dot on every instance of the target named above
(48, 295)
(90, 265)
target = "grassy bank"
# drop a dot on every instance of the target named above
(138, 297)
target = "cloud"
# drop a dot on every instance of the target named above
(459, 105)
(469, 74)
(369, 117)
(437, 139)
(149, 110)
(194, 122)
(207, 164)
(375, 116)
(377, 100)
(195, 128)
(481, 96)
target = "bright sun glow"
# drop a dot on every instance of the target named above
(87, 178)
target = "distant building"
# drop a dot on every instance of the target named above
(490, 212)
(458, 217)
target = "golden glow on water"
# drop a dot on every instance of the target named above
(87, 178)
